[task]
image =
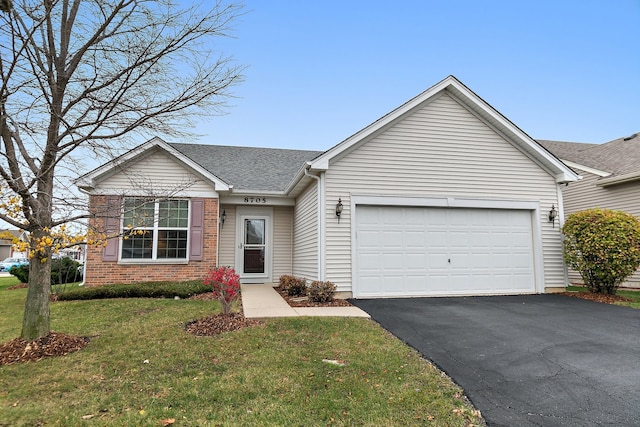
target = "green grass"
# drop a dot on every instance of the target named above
(271, 375)
(633, 295)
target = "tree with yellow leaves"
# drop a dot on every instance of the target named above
(79, 78)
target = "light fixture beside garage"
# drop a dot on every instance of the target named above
(553, 214)
(223, 218)
(339, 208)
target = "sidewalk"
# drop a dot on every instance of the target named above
(262, 301)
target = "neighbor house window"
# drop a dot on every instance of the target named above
(155, 230)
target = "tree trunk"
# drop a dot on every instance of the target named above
(36, 320)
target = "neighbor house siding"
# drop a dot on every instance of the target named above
(156, 174)
(441, 150)
(227, 251)
(282, 241)
(305, 233)
(585, 194)
(100, 272)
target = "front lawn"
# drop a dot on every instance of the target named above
(141, 368)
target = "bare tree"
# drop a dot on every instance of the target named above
(80, 77)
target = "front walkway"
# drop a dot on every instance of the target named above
(262, 301)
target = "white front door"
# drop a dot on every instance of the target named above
(254, 248)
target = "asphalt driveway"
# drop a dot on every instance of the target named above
(534, 360)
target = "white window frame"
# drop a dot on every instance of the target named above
(155, 228)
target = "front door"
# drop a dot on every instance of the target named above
(253, 251)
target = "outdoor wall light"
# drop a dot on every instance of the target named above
(223, 218)
(339, 208)
(553, 214)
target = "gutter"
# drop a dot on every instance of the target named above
(620, 179)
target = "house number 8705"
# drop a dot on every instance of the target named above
(255, 200)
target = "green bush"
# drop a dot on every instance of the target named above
(21, 272)
(137, 290)
(321, 291)
(63, 270)
(603, 246)
(293, 286)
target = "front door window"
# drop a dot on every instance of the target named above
(254, 246)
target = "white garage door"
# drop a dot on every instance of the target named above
(417, 251)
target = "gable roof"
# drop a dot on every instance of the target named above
(473, 103)
(249, 168)
(619, 159)
(226, 167)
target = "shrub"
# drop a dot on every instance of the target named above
(225, 283)
(63, 270)
(21, 272)
(137, 290)
(603, 246)
(293, 286)
(321, 291)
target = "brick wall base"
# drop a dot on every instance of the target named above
(99, 272)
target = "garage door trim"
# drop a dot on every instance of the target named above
(450, 202)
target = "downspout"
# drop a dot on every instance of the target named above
(320, 220)
(560, 224)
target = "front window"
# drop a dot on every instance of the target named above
(155, 229)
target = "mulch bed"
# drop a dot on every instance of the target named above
(54, 344)
(304, 301)
(219, 323)
(606, 299)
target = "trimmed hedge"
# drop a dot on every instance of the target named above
(137, 290)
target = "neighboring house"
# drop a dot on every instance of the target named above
(442, 196)
(7, 249)
(610, 179)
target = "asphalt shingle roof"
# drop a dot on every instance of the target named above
(619, 157)
(249, 168)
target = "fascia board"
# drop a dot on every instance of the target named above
(321, 163)
(297, 178)
(591, 170)
(476, 104)
(486, 112)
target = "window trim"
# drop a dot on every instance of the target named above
(156, 231)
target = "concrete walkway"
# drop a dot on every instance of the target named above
(262, 301)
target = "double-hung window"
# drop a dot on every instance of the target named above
(155, 229)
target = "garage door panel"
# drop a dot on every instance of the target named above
(414, 251)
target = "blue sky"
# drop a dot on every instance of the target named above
(318, 72)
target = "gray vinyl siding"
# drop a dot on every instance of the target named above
(441, 149)
(282, 241)
(227, 238)
(585, 194)
(305, 232)
(156, 173)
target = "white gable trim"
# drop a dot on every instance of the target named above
(89, 181)
(593, 171)
(475, 104)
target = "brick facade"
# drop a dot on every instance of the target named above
(100, 272)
